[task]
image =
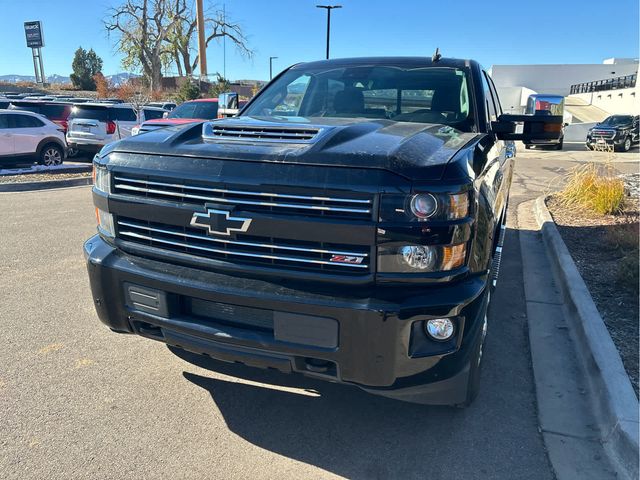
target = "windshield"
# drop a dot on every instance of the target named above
(424, 95)
(199, 110)
(617, 120)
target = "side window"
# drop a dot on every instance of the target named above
(26, 121)
(123, 114)
(4, 122)
(491, 108)
(152, 114)
(496, 99)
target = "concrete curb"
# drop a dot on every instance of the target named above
(613, 396)
(28, 186)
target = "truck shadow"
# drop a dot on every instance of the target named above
(348, 432)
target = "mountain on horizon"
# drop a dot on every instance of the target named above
(116, 79)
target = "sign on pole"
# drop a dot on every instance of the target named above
(33, 32)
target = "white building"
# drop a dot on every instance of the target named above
(516, 82)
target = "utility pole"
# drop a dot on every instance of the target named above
(328, 8)
(271, 59)
(224, 41)
(202, 46)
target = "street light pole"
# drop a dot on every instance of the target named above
(328, 8)
(271, 59)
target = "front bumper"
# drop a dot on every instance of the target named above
(377, 343)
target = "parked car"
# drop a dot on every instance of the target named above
(619, 131)
(187, 112)
(543, 104)
(29, 137)
(347, 225)
(57, 112)
(93, 125)
(166, 105)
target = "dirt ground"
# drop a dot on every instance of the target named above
(605, 249)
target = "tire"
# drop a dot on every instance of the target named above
(626, 146)
(527, 146)
(589, 146)
(473, 385)
(51, 155)
(72, 152)
(559, 145)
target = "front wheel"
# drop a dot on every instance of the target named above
(560, 144)
(527, 146)
(51, 155)
(626, 146)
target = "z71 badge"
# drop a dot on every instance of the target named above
(346, 259)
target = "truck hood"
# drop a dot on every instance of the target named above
(416, 151)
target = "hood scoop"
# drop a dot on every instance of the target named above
(235, 131)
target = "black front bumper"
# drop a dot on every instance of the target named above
(375, 341)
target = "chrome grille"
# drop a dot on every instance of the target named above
(245, 248)
(608, 134)
(225, 131)
(253, 201)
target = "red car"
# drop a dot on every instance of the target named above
(187, 112)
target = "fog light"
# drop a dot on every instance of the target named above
(439, 329)
(419, 256)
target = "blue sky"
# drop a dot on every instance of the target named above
(495, 32)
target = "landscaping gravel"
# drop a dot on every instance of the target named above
(41, 177)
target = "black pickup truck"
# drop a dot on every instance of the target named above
(347, 225)
(618, 131)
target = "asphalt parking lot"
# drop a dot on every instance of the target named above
(78, 401)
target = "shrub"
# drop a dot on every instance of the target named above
(188, 91)
(595, 188)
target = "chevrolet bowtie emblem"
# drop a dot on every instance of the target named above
(219, 222)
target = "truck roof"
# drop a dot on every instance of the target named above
(406, 61)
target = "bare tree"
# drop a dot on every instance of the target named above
(142, 27)
(218, 25)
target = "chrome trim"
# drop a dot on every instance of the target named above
(237, 242)
(242, 254)
(243, 202)
(239, 192)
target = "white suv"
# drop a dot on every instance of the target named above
(93, 125)
(27, 136)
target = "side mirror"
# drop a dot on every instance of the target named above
(534, 127)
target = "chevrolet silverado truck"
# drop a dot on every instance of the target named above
(618, 131)
(347, 225)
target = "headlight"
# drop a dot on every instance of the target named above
(421, 258)
(105, 223)
(423, 207)
(101, 179)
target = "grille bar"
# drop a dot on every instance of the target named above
(197, 194)
(267, 256)
(236, 242)
(241, 192)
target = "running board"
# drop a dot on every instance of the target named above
(497, 258)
